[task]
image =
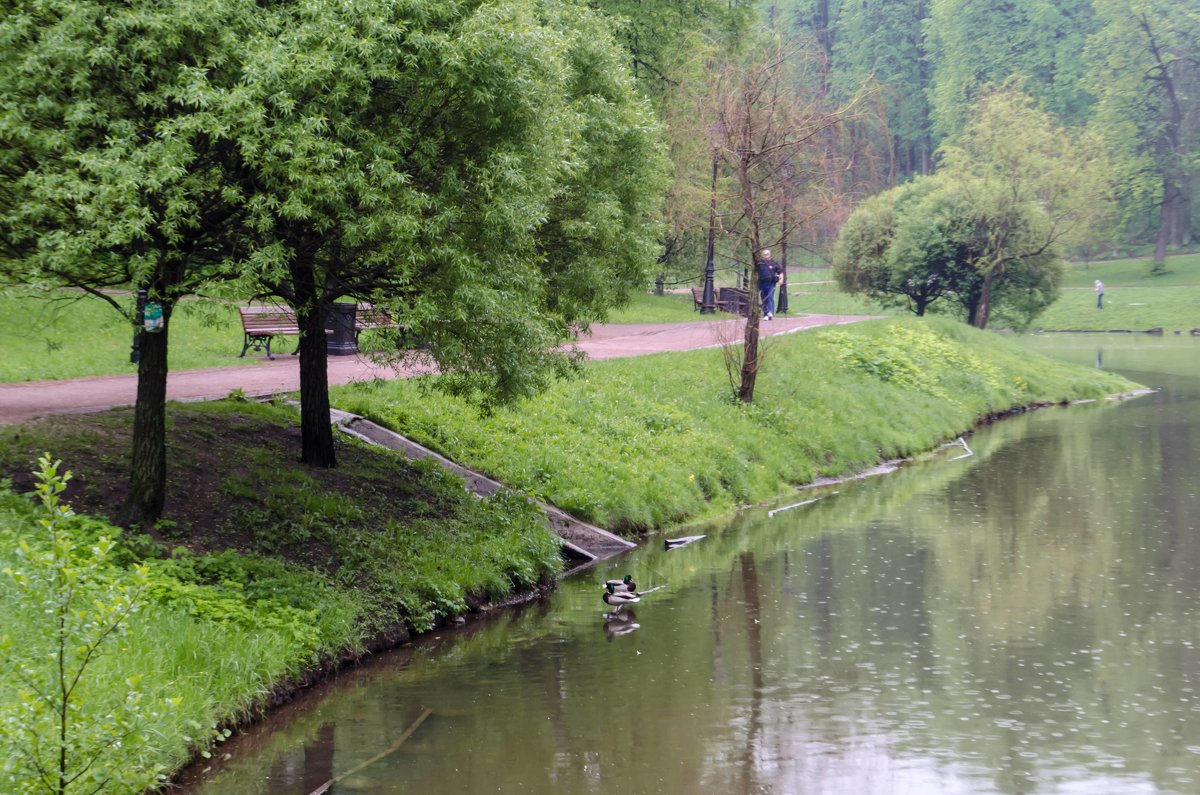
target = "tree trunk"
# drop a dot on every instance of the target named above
(316, 433)
(984, 307)
(1173, 221)
(148, 460)
(750, 344)
(750, 352)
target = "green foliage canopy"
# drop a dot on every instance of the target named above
(925, 246)
(989, 227)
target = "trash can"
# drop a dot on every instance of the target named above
(340, 341)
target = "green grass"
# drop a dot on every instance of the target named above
(1182, 269)
(656, 440)
(650, 308)
(1133, 299)
(275, 566)
(70, 336)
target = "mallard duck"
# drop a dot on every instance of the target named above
(626, 584)
(617, 598)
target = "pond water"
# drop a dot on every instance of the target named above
(1025, 619)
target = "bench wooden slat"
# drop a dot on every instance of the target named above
(261, 323)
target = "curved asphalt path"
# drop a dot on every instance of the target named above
(30, 399)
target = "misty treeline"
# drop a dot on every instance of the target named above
(1125, 72)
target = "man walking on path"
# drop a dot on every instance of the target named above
(1099, 294)
(768, 275)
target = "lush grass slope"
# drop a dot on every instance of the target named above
(656, 440)
(263, 569)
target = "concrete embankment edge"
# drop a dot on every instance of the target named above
(584, 542)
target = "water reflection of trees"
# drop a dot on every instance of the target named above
(1026, 617)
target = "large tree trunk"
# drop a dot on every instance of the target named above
(984, 307)
(148, 461)
(316, 433)
(750, 355)
(1173, 221)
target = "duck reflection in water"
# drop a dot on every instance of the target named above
(620, 622)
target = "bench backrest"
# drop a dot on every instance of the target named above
(368, 316)
(261, 318)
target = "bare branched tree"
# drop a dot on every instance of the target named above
(770, 127)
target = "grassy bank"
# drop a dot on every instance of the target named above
(263, 572)
(71, 336)
(656, 440)
(1133, 298)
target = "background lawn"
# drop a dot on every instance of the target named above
(67, 335)
(1133, 299)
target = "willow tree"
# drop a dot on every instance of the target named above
(1037, 185)
(931, 245)
(110, 169)
(402, 154)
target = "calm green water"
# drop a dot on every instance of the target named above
(1023, 620)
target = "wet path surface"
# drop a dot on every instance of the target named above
(23, 401)
(1025, 619)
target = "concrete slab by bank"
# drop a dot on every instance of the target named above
(585, 542)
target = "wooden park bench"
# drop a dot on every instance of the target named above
(698, 298)
(368, 317)
(261, 324)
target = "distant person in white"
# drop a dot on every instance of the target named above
(1099, 294)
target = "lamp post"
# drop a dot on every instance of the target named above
(708, 304)
(782, 304)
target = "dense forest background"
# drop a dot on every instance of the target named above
(1127, 72)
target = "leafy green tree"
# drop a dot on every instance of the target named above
(494, 203)
(1145, 71)
(64, 734)
(1038, 187)
(986, 230)
(110, 169)
(926, 246)
(396, 153)
(905, 247)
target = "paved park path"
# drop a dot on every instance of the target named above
(30, 399)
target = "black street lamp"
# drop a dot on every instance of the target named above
(782, 304)
(708, 304)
